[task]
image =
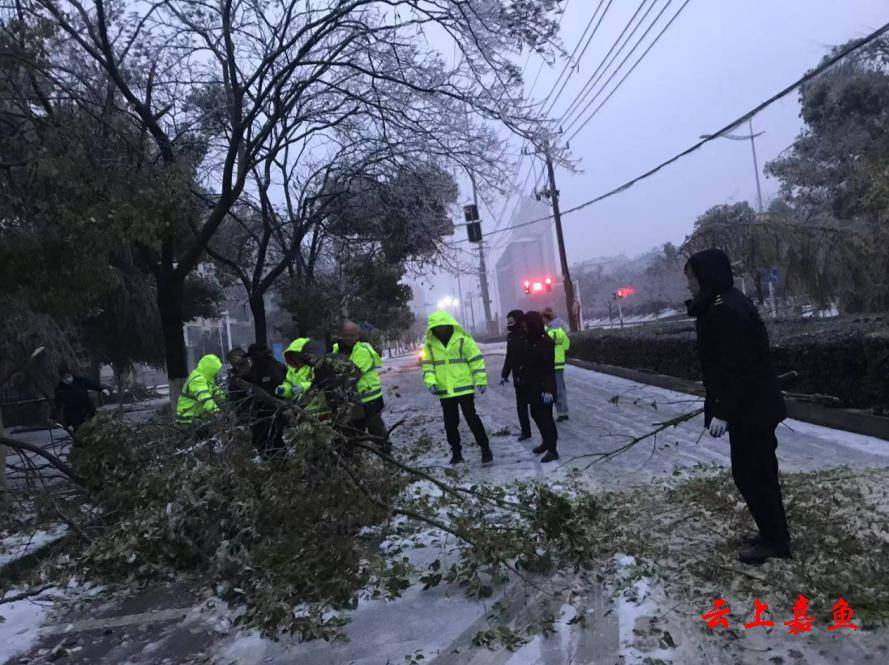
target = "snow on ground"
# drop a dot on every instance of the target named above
(597, 425)
(440, 623)
(20, 628)
(15, 546)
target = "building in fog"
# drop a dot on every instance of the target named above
(529, 253)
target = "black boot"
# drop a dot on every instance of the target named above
(562, 418)
(753, 538)
(456, 458)
(487, 455)
(524, 436)
(756, 555)
(550, 456)
(539, 449)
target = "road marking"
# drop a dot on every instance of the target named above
(160, 616)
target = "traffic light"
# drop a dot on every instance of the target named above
(473, 226)
(537, 286)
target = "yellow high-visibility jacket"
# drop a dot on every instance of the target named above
(455, 369)
(298, 379)
(563, 343)
(368, 361)
(200, 395)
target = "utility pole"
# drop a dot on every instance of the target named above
(557, 217)
(755, 164)
(471, 313)
(752, 138)
(462, 301)
(482, 269)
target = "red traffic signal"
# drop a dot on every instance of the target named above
(536, 285)
(625, 291)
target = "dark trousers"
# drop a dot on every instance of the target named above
(543, 417)
(451, 407)
(522, 407)
(267, 430)
(371, 422)
(755, 470)
(561, 393)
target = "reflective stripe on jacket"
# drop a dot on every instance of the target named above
(562, 342)
(368, 361)
(200, 395)
(455, 369)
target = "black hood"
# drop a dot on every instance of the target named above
(517, 316)
(714, 272)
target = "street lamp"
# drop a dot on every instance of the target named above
(752, 138)
(448, 301)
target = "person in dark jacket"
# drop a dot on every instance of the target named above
(538, 382)
(266, 373)
(743, 397)
(73, 399)
(238, 393)
(515, 338)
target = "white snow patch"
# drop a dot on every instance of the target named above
(20, 628)
(637, 602)
(860, 442)
(18, 545)
(558, 647)
(247, 649)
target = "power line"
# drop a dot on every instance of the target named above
(620, 66)
(585, 47)
(631, 70)
(499, 219)
(811, 74)
(593, 78)
(570, 60)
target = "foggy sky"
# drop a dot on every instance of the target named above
(719, 59)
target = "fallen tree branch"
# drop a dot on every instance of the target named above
(660, 427)
(24, 446)
(30, 593)
(444, 487)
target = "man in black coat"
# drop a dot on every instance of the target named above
(743, 397)
(266, 373)
(538, 387)
(515, 338)
(73, 399)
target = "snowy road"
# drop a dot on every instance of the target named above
(441, 622)
(597, 425)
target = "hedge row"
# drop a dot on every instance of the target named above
(844, 358)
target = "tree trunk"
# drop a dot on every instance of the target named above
(169, 304)
(4, 490)
(260, 328)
